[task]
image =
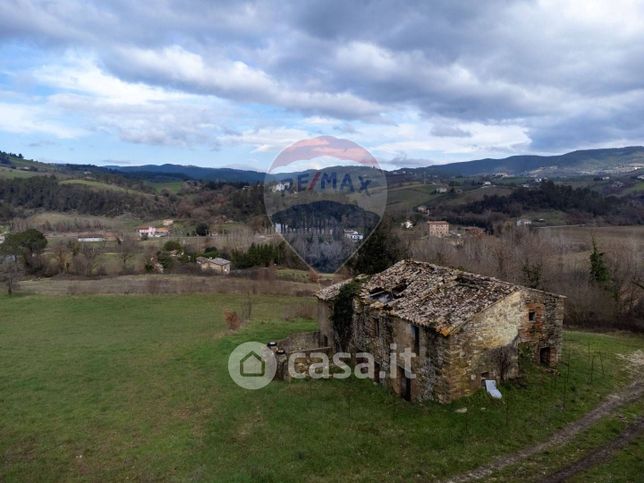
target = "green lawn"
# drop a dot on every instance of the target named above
(136, 387)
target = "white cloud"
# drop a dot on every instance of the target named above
(27, 119)
(543, 75)
(234, 79)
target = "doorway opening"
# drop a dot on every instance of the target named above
(405, 385)
(544, 356)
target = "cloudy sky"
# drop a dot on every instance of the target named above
(231, 83)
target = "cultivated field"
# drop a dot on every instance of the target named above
(136, 387)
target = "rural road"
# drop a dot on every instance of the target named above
(598, 455)
(614, 401)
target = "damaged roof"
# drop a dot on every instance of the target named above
(429, 295)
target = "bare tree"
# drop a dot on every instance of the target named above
(90, 252)
(9, 272)
(127, 247)
(61, 256)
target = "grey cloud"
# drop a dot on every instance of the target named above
(469, 61)
(443, 130)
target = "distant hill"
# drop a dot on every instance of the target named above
(576, 163)
(227, 175)
(590, 161)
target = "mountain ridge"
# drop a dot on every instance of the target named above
(574, 163)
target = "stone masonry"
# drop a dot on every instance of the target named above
(464, 328)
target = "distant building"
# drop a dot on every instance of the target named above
(474, 231)
(524, 222)
(438, 229)
(218, 265)
(440, 190)
(353, 235)
(487, 183)
(91, 238)
(281, 228)
(407, 224)
(153, 232)
(168, 222)
(279, 187)
(422, 209)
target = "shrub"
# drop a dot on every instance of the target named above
(172, 245)
(233, 321)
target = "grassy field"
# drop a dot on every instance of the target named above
(16, 173)
(171, 186)
(136, 387)
(100, 185)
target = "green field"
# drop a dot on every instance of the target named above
(136, 387)
(171, 186)
(100, 185)
(9, 173)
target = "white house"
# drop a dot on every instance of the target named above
(353, 235)
(91, 238)
(279, 187)
(524, 222)
(153, 232)
(407, 224)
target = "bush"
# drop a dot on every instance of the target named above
(172, 245)
(233, 321)
(202, 229)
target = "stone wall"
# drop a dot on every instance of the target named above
(324, 310)
(543, 335)
(449, 367)
(486, 347)
(375, 332)
(307, 343)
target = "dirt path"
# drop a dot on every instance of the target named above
(630, 394)
(599, 455)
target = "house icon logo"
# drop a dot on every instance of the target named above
(252, 365)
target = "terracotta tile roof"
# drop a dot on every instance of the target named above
(429, 295)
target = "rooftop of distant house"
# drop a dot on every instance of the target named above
(216, 261)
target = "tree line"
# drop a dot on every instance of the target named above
(45, 192)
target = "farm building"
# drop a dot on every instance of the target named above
(438, 229)
(153, 231)
(464, 328)
(91, 237)
(219, 265)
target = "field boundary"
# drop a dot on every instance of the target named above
(163, 284)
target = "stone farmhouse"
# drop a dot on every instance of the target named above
(464, 328)
(218, 265)
(438, 229)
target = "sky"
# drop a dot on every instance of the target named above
(231, 83)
